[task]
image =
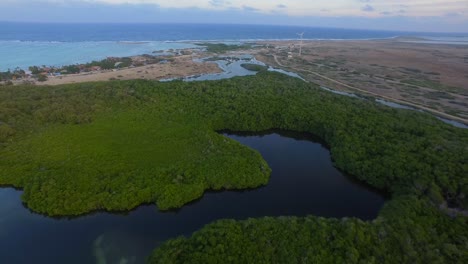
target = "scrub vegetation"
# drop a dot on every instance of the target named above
(115, 145)
(254, 67)
(408, 230)
(223, 48)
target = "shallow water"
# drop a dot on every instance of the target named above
(292, 74)
(452, 122)
(231, 66)
(395, 105)
(398, 106)
(27, 44)
(339, 92)
(303, 182)
(31, 53)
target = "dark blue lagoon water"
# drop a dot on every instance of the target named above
(303, 182)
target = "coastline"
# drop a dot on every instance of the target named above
(181, 66)
(342, 146)
(371, 67)
(59, 53)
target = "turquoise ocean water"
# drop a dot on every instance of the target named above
(27, 53)
(27, 44)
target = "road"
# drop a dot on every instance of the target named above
(399, 101)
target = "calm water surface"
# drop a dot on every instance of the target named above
(231, 67)
(303, 182)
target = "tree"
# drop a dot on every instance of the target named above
(42, 78)
(35, 69)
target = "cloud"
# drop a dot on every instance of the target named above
(424, 13)
(452, 14)
(250, 9)
(368, 8)
(219, 3)
(297, 8)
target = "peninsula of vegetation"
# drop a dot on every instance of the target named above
(115, 145)
(425, 76)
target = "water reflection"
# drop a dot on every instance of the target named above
(303, 182)
(231, 66)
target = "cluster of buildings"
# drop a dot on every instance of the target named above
(110, 63)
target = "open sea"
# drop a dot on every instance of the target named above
(27, 44)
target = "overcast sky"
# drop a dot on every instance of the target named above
(408, 15)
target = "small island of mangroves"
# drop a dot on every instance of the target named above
(113, 146)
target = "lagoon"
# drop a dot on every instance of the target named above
(303, 182)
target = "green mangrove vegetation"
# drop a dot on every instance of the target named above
(10, 75)
(408, 230)
(254, 67)
(223, 48)
(116, 145)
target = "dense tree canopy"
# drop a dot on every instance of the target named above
(115, 145)
(409, 230)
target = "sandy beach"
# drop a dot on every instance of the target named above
(181, 66)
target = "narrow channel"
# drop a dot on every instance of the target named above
(303, 182)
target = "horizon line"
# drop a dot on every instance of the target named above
(233, 24)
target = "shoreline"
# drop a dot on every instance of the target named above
(329, 63)
(194, 44)
(181, 66)
(412, 36)
(415, 39)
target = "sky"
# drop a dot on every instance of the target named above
(405, 15)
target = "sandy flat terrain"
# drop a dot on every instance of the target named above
(181, 66)
(430, 75)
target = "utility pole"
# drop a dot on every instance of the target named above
(300, 45)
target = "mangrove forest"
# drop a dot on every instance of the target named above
(75, 149)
